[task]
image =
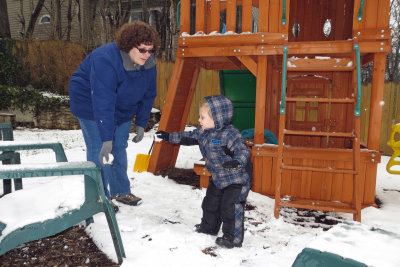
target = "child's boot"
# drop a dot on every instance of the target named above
(226, 242)
(199, 228)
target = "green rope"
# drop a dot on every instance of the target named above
(284, 63)
(284, 13)
(357, 109)
(360, 11)
(178, 14)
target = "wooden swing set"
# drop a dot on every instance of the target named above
(306, 56)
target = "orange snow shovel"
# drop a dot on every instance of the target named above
(142, 161)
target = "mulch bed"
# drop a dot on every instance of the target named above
(74, 247)
(182, 176)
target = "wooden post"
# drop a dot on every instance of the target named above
(260, 100)
(357, 179)
(185, 16)
(278, 164)
(263, 22)
(231, 16)
(215, 15)
(175, 112)
(200, 16)
(375, 115)
(192, 89)
(247, 16)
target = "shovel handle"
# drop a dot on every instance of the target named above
(152, 144)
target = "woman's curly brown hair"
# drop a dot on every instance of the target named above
(136, 33)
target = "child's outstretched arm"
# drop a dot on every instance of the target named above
(184, 138)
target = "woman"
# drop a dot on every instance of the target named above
(115, 82)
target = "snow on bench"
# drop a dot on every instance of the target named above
(62, 217)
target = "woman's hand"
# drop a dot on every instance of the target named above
(105, 153)
(139, 134)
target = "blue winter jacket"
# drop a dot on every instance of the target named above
(108, 88)
(220, 144)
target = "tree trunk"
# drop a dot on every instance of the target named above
(165, 32)
(90, 35)
(125, 13)
(104, 13)
(395, 71)
(4, 24)
(33, 19)
(58, 20)
(21, 18)
(174, 28)
(69, 20)
(145, 14)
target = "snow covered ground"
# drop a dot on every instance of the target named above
(160, 232)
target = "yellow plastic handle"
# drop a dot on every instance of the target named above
(395, 145)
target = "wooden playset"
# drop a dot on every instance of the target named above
(306, 56)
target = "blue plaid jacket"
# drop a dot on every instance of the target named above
(220, 144)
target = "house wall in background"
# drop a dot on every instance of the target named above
(43, 30)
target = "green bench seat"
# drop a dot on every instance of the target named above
(9, 156)
(95, 202)
(11, 146)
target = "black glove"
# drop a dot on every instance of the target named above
(163, 135)
(231, 164)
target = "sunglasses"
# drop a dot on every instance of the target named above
(143, 50)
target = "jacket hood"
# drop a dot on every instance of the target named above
(221, 110)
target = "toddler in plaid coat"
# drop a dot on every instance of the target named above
(227, 158)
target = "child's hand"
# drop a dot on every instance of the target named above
(163, 135)
(231, 164)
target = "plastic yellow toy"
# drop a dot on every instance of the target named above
(395, 145)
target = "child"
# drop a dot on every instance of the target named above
(228, 160)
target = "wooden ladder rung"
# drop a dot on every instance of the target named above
(318, 205)
(319, 64)
(318, 133)
(306, 168)
(320, 99)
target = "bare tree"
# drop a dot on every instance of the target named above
(145, 12)
(104, 6)
(174, 29)
(55, 30)
(33, 19)
(123, 12)
(21, 18)
(4, 24)
(165, 31)
(58, 20)
(69, 20)
(113, 15)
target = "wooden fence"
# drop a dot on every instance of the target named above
(209, 79)
(390, 114)
(207, 84)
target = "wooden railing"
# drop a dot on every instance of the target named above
(272, 16)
